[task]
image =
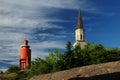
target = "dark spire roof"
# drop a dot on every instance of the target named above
(79, 23)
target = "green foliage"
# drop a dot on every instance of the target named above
(13, 69)
(52, 60)
(112, 55)
(56, 61)
(68, 47)
(39, 66)
(1, 72)
(47, 65)
(95, 54)
(67, 60)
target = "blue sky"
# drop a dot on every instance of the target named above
(48, 24)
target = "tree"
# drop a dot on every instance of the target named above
(66, 60)
(112, 55)
(77, 49)
(96, 53)
(47, 65)
(81, 55)
(68, 47)
(1, 72)
(91, 54)
(13, 69)
(52, 59)
(39, 66)
(77, 56)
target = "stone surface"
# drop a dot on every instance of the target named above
(106, 71)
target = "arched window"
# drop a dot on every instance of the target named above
(81, 36)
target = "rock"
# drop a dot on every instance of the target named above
(105, 71)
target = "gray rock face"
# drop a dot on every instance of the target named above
(105, 71)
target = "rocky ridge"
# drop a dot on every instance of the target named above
(105, 71)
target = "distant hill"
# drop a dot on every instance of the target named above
(105, 71)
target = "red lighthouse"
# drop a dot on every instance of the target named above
(25, 55)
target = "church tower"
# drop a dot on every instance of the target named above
(79, 32)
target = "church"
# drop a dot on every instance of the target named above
(79, 33)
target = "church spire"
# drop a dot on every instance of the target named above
(79, 32)
(79, 23)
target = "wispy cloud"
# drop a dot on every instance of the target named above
(41, 48)
(32, 19)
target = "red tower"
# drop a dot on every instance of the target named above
(25, 55)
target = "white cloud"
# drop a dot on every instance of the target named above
(40, 49)
(71, 4)
(20, 19)
(49, 44)
(11, 36)
(45, 35)
(16, 22)
(31, 14)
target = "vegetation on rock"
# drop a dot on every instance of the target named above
(73, 57)
(13, 69)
